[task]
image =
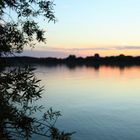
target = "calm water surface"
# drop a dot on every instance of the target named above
(99, 104)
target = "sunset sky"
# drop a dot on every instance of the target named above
(85, 27)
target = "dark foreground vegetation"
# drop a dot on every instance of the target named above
(72, 61)
(20, 89)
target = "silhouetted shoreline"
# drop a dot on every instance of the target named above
(72, 61)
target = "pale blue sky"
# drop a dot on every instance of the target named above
(95, 24)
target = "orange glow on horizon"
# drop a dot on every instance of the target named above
(82, 51)
(109, 52)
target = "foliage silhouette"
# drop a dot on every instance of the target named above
(22, 29)
(19, 90)
(19, 87)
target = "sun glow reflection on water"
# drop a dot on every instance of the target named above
(98, 103)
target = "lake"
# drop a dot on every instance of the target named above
(98, 103)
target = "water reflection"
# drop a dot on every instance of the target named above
(19, 109)
(101, 103)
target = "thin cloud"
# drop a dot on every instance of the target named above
(36, 53)
(96, 48)
(78, 49)
(128, 48)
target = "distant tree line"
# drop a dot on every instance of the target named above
(72, 60)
